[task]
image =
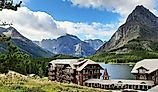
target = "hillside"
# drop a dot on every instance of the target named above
(15, 82)
(23, 43)
(136, 39)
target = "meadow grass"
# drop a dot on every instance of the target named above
(14, 84)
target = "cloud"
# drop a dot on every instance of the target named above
(88, 31)
(24, 1)
(33, 25)
(40, 25)
(122, 7)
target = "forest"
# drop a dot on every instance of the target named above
(16, 60)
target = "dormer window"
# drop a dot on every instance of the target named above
(142, 70)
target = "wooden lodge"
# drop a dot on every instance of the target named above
(73, 70)
(87, 73)
(146, 69)
(146, 77)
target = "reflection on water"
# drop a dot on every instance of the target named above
(118, 71)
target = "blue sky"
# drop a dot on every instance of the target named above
(87, 19)
(65, 11)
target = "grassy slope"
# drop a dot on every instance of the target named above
(138, 50)
(131, 57)
(40, 85)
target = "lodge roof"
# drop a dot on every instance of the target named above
(72, 62)
(124, 82)
(64, 62)
(150, 65)
(87, 62)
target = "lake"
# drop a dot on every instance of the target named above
(118, 71)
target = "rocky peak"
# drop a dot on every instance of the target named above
(15, 34)
(142, 15)
(96, 43)
(65, 39)
(140, 24)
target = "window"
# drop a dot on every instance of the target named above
(71, 71)
(90, 66)
(98, 67)
(86, 77)
(83, 71)
(156, 80)
(157, 72)
(143, 77)
(89, 77)
(83, 77)
(94, 76)
(142, 70)
(98, 71)
(77, 77)
(91, 72)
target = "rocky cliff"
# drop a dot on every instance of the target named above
(139, 32)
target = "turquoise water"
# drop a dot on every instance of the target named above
(118, 71)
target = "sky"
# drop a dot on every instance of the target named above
(87, 19)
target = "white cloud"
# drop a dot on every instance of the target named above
(123, 7)
(40, 25)
(88, 31)
(33, 25)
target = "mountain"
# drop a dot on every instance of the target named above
(141, 25)
(137, 36)
(24, 44)
(70, 45)
(83, 49)
(96, 43)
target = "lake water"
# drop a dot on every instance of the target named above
(118, 71)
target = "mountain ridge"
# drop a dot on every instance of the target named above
(134, 40)
(136, 27)
(24, 44)
(70, 45)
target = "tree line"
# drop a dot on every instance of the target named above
(16, 60)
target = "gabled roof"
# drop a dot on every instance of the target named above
(105, 73)
(73, 63)
(65, 62)
(87, 62)
(79, 63)
(141, 67)
(150, 65)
